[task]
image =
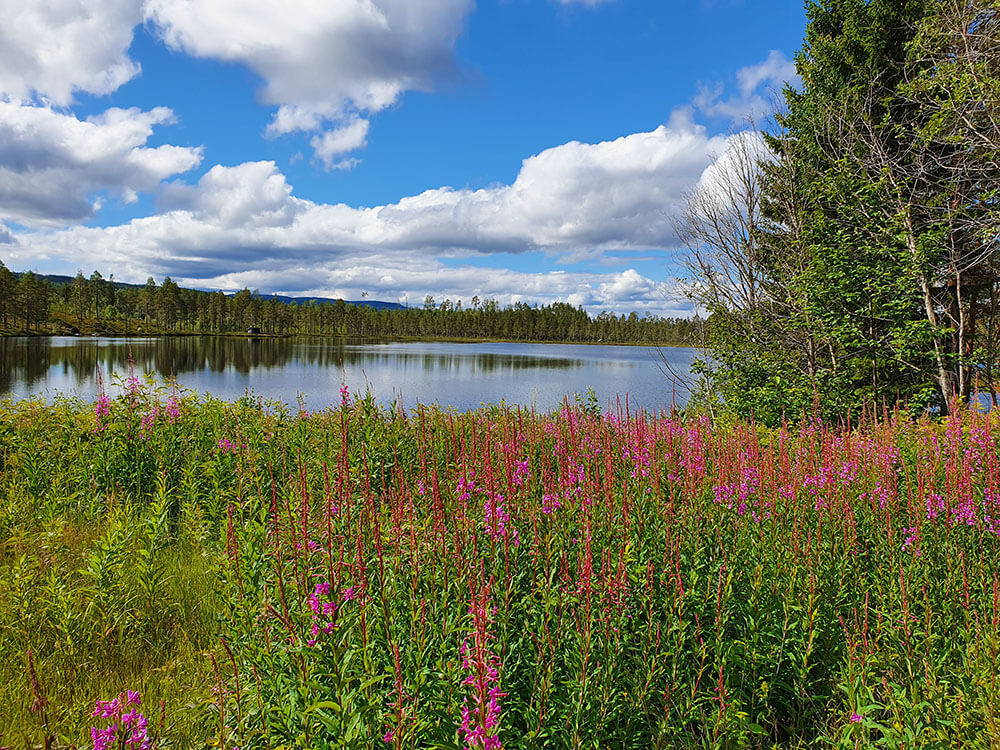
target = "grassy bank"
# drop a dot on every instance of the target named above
(361, 577)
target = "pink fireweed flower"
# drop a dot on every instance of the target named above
(148, 421)
(522, 472)
(227, 446)
(466, 486)
(104, 709)
(127, 729)
(935, 506)
(324, 611)
(855, 718)
(345, 395)
(550, 504)
(743, 496)
(173, 409)
(481, 711)
(639, 456)
(104, 739)
(102, 407)
(496, 521)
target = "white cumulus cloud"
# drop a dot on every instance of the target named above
(50, 49)
(51, 163)
(323, 64)
(333, 144)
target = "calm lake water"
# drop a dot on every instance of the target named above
(457, 375)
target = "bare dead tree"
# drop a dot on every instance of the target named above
(732, 266)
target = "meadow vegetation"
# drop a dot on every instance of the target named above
(363, 577)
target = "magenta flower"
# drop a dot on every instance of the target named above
(148, 422)
(481, 711)
(855, 718)
(496, 520)
(522, 472)
(173, 409)
(227, 446)
(324, 611)
(127, 730)
(102, 408)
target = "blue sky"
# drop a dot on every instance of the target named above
(526, 150)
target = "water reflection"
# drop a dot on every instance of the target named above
(462, 375)
(26, 361)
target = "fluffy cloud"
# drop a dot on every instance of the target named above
(6, 236)
(618, 194)
(51, 48)
(324, 65)
(52, 163)
(334, 143)
(725, 176)
(410, 282)
(757, 87)
(321, 62)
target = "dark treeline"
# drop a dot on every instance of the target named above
(32, 303)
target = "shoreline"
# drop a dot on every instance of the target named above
(282, 336)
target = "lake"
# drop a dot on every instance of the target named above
(456, 375)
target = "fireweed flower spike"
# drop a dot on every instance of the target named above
(127, 728)
(324, 611)
(102, 408)
(227, 446)
(496, 521)
(173, 409)
(481, 715)
(148, 422)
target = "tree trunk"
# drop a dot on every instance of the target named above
(944, 381)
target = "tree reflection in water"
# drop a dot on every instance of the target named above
(280, 368)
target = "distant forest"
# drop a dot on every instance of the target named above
(30, 303)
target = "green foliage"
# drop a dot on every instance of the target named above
(877, 237)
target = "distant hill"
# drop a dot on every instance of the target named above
(374, 303)
(54, 278)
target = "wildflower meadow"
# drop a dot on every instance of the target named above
(179, 571)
